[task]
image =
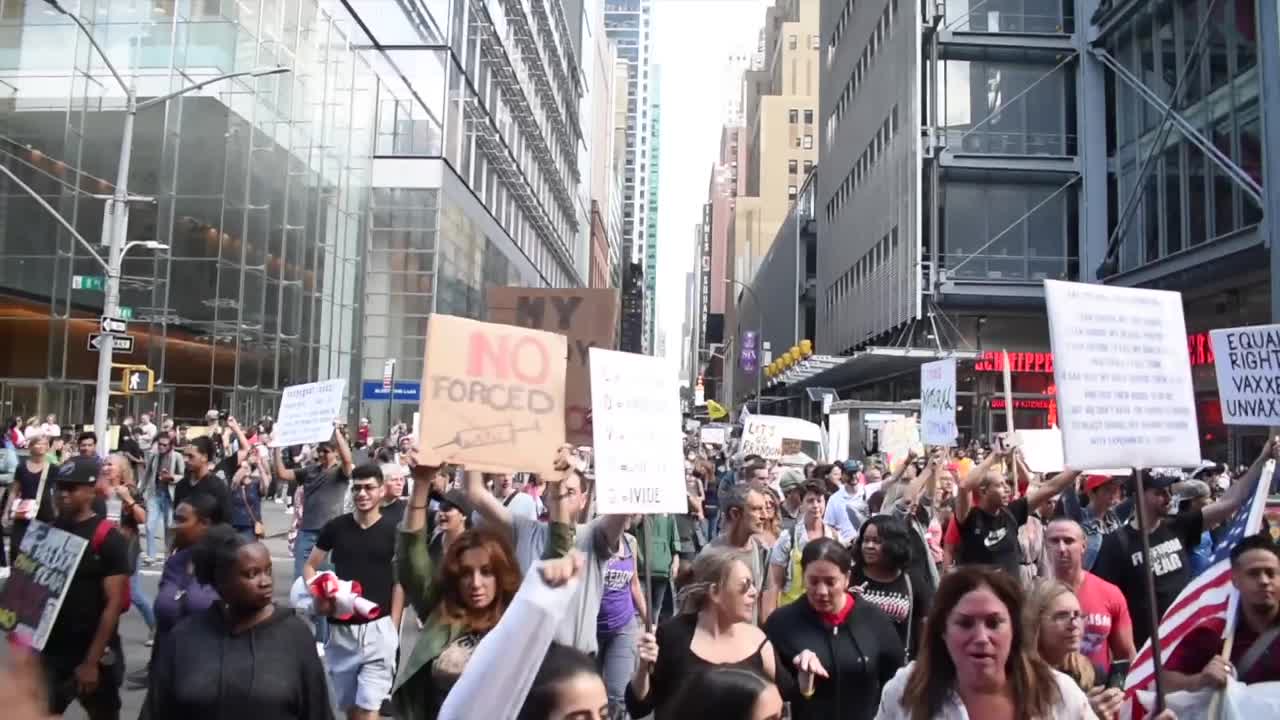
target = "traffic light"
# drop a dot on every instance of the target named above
(138, 380)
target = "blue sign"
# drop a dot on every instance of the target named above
(405, 390)
(748, 358)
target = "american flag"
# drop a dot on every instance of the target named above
(1210, 595)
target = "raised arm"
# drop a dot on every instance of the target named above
(1037, 494)
(493, 512)
(344, 450)
(283, 472)
(414, 569)
(1217, 512)
(964, 492)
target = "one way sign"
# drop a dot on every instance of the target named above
(119, 343)
(112, 324)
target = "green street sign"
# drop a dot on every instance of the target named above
(125, 313)
(88, 282)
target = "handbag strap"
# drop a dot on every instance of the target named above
(244, 495)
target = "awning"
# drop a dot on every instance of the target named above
(863, 367)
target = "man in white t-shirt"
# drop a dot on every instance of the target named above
(149, 431)
(50, 427)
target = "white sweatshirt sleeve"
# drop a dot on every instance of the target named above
(511, 653)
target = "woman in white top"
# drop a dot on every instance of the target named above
(973, 661)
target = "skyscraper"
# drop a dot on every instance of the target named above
(629, 23)
(651, 236)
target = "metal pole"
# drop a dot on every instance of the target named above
(1269, 65)
(391, 399)
(1153, 616)
(113, 237)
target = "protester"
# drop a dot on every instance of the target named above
(743, 513)
(1054, 623)
(727, 693)
(457, 602)
(200, 478)
(452, 518)
(791, 511)
(1198, 663)
(567, 687)
(393, 499)
(847, 496)
(1121, 560)
(87, 444)
(180, 594)
(30, 496)
(622, 601)
(974, 661)
(1098, 517)
(127, 508)
(161, 470)
(248, 486)
(842, 648)
(882, 576)
(662, 539)
(82, 658)
(244, 657)
(1108, 629)
(508, 493)
(786, 579)
(988, 527)
(714, 628)
(360, 653)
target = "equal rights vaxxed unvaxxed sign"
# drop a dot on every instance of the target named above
(1247, 361)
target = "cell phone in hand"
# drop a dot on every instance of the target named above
(1115, 677)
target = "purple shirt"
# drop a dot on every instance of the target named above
(180, 595)
(617, 607)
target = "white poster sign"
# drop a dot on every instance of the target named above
(711, 435)
(639, 448)
(938, 403)
(1248, 365)
(760, 437)
(1042, 449)
(1123, 376)
(838, 437)
(307, 412)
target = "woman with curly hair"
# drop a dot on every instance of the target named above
(882, 576)
(458, 601)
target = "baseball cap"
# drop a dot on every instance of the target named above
(1162, 478)
(1093, 482)
(79, 471)
(1191, 489)
(211, 415)
(853, 466)
(791, 479)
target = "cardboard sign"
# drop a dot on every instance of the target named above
(838, 437)
(492, 396)
(588, 318)
(1042, 449)
(638, 443)
(38, 583)
(938, 403)
(760, 437)
(307, 412)
(712, 435)
(897, 439)
(1123, 376)
(1248, 367)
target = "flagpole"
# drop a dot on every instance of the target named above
(1153, 615)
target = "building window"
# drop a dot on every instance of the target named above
(814, 42)
(791, 166)
(808, 142)
(808, 117)
(791, 42)
(797, 141)
(791, 192)
(793, 116)
(808, 166)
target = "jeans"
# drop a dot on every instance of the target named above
(662, 601)
(246, 533)
(302, 548)
(144, 604)
(159, 519)
(617, 661)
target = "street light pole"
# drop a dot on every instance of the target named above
(759, 334)
(114, 232)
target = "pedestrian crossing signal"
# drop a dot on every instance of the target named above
(138, 380)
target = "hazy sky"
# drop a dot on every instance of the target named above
(692, 40)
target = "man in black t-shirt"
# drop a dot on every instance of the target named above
(989, 525)
(1171, 537)
(202, 478)
(82, 658)
(360, 653)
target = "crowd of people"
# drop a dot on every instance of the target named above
(957, 583)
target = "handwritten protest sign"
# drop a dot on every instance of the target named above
(492, 396)
(1123, 376)
(588, 318)
(639, 448)
(761, 437)
(42, 572)
(938, 402)
(712, 435)
(1247, 360)
(899, 437)
(307, 412)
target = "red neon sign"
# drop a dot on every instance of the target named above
(1198, 347)
(997, 403)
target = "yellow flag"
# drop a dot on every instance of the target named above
(715, 410)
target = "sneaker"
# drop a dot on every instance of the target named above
(288, 511)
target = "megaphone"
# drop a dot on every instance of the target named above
(347, 596)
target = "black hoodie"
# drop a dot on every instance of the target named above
(270, 672)
(861, 655)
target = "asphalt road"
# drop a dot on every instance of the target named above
(133, 631)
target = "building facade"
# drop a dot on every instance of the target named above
(651, 234)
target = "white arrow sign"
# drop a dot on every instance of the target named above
(113, 325)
